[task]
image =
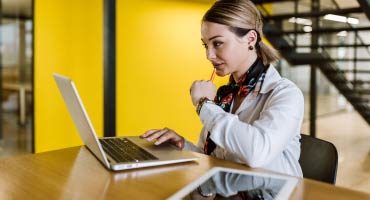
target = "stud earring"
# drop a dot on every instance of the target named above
(250, 48)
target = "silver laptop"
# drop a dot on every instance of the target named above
(116, 153)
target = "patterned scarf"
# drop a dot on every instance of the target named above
(245, 85)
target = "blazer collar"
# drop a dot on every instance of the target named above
(271, 80)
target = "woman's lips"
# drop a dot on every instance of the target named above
(215, 65)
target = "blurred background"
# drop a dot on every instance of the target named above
(157, 54)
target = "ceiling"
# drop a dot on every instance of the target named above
(14, 8)
(24, 7)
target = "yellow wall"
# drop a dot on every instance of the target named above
(68, 40)
(159, 55)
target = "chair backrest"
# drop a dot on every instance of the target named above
(319, 159)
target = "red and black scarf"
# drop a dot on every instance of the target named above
(245, 85)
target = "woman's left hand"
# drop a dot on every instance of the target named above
(201, 89)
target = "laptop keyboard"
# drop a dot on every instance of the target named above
(123, 150)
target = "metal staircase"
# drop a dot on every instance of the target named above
(353, 80)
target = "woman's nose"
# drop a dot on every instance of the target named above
(211, 54)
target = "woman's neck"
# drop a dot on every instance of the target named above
(238, 74)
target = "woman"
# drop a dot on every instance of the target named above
(256, 118)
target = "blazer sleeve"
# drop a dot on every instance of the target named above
(257, 144)
(196, 148)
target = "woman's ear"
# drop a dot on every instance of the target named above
(251, 37)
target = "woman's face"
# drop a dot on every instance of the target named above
(227, 52)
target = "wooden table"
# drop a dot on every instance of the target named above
(74, 173)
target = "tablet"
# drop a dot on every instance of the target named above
(227, 183)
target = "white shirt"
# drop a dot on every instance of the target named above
(264, 132)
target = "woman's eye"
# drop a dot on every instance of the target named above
(217, 44)
(205, 46)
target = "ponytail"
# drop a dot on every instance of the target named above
(268, 54)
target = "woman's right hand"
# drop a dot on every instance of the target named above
(201, 89)
(164, 135)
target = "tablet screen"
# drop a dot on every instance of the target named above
(225, 183)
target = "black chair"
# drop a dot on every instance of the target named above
(319, 159)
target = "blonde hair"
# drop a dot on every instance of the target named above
(242, 16)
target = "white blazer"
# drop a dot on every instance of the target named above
(264, 132)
